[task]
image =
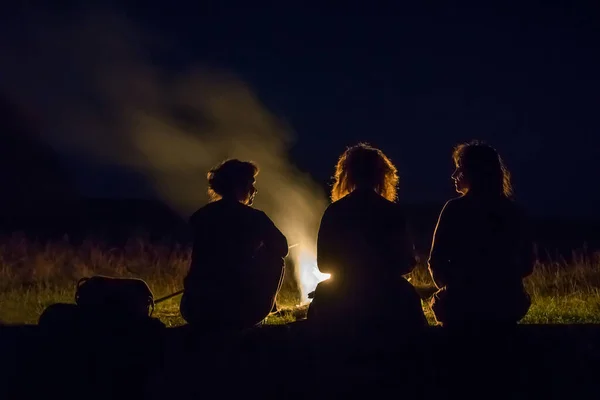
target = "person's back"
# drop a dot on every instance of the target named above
(363, 243)
(485, 239)
(364, 238)
(237, 257)
(482, 247)
(226, 235)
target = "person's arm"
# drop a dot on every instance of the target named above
(326, 243)
(194, 226)
(526, 254)
(408, 259)
(274, 240)
(439, 256)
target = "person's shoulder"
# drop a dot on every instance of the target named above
(454, 206)
(455, 203)
(333, 210)
(248, 209)
(207, 209)
(337, 205)
(397, 211)
(256, 213)
(516, 209)
(395, 207)
(198, 214)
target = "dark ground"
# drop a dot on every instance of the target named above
(534, 361)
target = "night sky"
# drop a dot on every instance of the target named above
(413, 82)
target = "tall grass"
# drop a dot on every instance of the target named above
(34, 275)
(562, 291)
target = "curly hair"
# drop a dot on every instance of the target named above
(364, 166)
(228, 176)
(483, 167)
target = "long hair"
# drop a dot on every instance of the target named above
(366, 167)
(228, 176)
(484, 168)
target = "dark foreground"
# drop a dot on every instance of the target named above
(534, 361)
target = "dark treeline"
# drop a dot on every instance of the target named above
(39, 200)
(115, 221)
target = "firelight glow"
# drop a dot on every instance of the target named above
(309, 273)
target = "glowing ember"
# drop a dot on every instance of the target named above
(309, 274)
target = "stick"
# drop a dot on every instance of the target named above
(167, 297)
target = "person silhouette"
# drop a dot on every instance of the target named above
(363, 242)
(482, 248)
(237, 257)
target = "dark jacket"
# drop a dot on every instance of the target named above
(363, 236)
(363, 243)
(237, 262)
(481, 245)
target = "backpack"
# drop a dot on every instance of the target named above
(123, 298)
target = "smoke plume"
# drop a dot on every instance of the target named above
(92, 84)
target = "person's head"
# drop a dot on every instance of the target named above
(364, 167)
(233, 180)
(480, 169)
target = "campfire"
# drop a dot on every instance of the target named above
(309, 274)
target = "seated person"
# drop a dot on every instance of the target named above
(363, 243)
(238, 255)
(481, 248)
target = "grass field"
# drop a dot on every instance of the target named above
(35, 275)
